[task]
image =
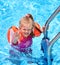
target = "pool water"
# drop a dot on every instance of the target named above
(11, 12)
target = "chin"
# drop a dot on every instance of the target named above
(25, 35)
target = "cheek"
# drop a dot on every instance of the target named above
(30, 31)
(21, 30)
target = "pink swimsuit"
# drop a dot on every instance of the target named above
(24, 44)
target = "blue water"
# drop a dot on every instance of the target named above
(11, 12)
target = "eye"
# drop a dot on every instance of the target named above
(29, 29)
(24, 29)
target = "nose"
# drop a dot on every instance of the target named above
(26, 31)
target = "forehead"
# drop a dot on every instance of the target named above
(26, 26)
(27, 22)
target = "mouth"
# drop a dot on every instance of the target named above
(26, 34)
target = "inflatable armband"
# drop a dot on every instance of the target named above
(37, 31)
(11, 32)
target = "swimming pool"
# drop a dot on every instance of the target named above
(10, 13)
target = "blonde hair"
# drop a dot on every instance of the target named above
(26, 20)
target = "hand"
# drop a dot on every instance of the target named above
(16, 34)
(43, 28)
(16, 37)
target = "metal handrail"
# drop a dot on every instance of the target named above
(51, 43)
(50, 19)
(46, 33)
(54, 39)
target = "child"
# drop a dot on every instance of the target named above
(22, 36)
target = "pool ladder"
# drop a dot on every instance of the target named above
(51, 43)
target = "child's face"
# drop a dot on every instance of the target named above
(26, 29)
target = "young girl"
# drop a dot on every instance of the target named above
(21, 38)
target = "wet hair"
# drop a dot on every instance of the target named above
(30, 16)
(27, 20)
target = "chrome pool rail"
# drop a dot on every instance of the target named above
(50, 19)
(54, 40)
(50, 43)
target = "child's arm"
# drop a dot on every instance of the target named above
(16, 37)
(37, 26)
(12, 35)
